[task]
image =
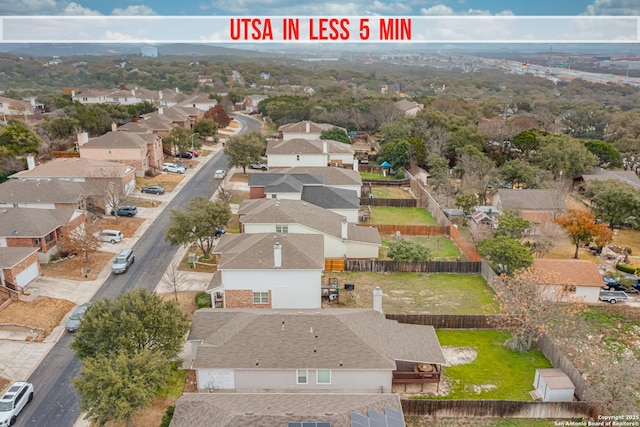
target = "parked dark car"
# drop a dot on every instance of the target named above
(629, 284)
(220, 230)
(153, 189)
(185, 155)
(125, 211)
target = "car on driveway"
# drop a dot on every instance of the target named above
(185, 155)
(13, 402)
(173, 168)
(76, 317)
(113, 236)
(153, 189)
(219, 174)
(125, 211)
(220, 230)
(194, 153)
(260, 166)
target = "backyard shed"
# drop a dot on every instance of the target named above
(553, 385)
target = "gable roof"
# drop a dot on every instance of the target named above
(46, 191)
(332, 176)
(331, 198)
(153, 123)
(326, 339)
(32, 222)
(283, 211)
(301, 127)
(76, 168)
(276, 409)
(115, 139)
(628, 177)
(307, 146)
(274, 182)
(406, 105)
(256, 251)
(10, 257)
(534, 199)
(576, 272)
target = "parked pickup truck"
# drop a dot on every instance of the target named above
(629, 283)
(613, 296)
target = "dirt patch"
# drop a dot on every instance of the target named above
(43, 312)
(239, 177)
(127, 225)
(3, 383)
(76, 268)
(186, 301)
(166, 180)
(152, 416)
(191, 383)
(459, 355)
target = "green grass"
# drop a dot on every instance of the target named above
(175, 383)
(373, 175)
(412, 293)
(511, 372)
(442, 248)
(401, 216)
(390, 192)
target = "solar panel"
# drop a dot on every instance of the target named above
(309, 424)
(358, 420)
(394, 422)
(323, 424)
(358, 424)
(377, 423)
(295, 425)
(393, 413)
(373, 415)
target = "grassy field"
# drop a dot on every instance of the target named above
(442, 248)
(418, 293)
(388, 192)
(501, 373)
(401, 216)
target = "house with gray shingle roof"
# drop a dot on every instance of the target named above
(47, 194)
(308, 152)
(38, 228)
(305, 187)
(408, 108)
(278, 409)
(537, 206)
(341, 238)
(347, 179)
(270, 270)
(306, 351)
(305, 129)
(627, 177)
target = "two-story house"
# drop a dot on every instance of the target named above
(302, 130)
(308, 152)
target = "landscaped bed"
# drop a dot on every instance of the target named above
(442, 248)
(401, 216)
(410, 293)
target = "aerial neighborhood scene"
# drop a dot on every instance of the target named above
(195, 235)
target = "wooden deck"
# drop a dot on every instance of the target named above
(421, 374)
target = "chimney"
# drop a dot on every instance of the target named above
(83, 138)
(277, 255)
(308, 127)
(324, 147)
(31, 162)
(159, 94)
(133, 92)
(177, 90)
(114, 127)
(355, 165)
(73, 93)
(377, 299)
(161, 110)
(345, 227)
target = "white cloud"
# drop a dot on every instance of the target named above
(140, 10)
(442, 10)
(613, 7)
(74, 8)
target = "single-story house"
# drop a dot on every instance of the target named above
(535, 205)
(309, 351)
(553, 385)
(627, 177)
(271, 270)
(46, 194)
(341, 238)
(308, 152)
(408, 108)
(581, 276)
(18, 266)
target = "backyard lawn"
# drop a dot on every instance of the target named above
(410, 293)
(390, 192)
(496, 373)
(401, 216)
(373, 175)
(442, 248)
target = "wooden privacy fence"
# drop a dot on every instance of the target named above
(448, 321)
(334, 264)
(64, 154)
(410, 230)
(388, 266)
(500, 409)
(387, 182)
(395, 203)
(465, 246)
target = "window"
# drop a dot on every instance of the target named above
(37, 241)
(302, 377)
(261, 297)
(323, 376)
(298, 157)
(85, 99)
(274, 196)
(282, 228)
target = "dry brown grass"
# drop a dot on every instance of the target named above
(76, 269)
(43, 313)
(239, 177)
(127, 225)
(152, 416)
(166, 180)
(186, 301)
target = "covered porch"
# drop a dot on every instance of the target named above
(416, 373)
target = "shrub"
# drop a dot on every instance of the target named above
(625, 268)
(203, 300)
(408, 251)
(400, 175)
(166, 419)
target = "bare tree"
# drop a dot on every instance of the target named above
(224, 193)
(548, 235)
(80, 240)
(174, 279)
(437, 140)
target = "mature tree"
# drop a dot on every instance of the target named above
(138, 321)
(548, 235)
(477, 171)
(533, 305)
(605, 152)
(178, 140)
(18, 139)
(61, 127)
(218, 115)
(224, 193)
(436, 139)
(408, 250)
(80, 240)
(511, 225)
(613, 201)
(113, 388)
(467, 202)
(527, 142)
(196, 223)
(582, 229)
(398, 129)
(245, 149)
(506, 254)
(113, 194)
(518, 172)
(587, 121)
(335, 134)
(174, 279)
(565, 156)
(206, 127)
(397, 153)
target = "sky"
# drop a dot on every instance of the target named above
(323, 8)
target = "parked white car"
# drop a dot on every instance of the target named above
(173, 168)
(13, 401)
(219, 174)
(113, 236)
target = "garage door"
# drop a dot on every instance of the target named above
(27, 275)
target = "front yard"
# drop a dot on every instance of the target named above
(411, 293)
(166, 180)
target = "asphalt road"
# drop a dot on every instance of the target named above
(55, 402)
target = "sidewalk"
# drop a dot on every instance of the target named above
(21, 357)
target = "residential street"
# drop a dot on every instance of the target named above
(55, 401)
